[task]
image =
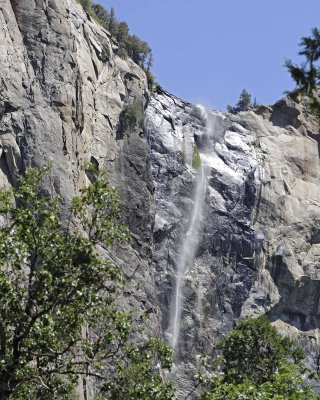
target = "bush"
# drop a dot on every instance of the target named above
(86, 4)
(130, 118)
(151, 80)
(196, 160)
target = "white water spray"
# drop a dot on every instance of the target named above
(190, 241)
(185, 258)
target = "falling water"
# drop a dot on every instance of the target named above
(190, 241)
(185, 258)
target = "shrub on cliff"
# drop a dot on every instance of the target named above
(59, 313)
(86, 4)
(196, 160)
(130, 118)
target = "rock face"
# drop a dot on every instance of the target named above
(258, 248)
(63, 89)
(62, 92)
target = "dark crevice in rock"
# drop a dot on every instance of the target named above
(95, 69)
(64, 141)
(5, 168)
(316, 137)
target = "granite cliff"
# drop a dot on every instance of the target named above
(257, 251)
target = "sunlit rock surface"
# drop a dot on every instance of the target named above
(259, 247)
(63, 89)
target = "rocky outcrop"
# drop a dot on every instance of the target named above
(258, 251)
(63, 90)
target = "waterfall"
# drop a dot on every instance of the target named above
(185, 259)
(190, 240)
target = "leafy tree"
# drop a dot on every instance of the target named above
(254, 350)
(138, 50)
(307, 75)
(243, 104)
(135, 378)
(59, 317)
(257, 363)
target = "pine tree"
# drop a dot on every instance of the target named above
(244, 101)
(102, 15)
(113, 24)
(307, 75)
(243, 104)
(255, 103)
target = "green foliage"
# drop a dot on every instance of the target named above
(255, 103)
(59, 389)
(256, 364)
(86, 4)
(130, 118)
(138, 50)
(113, 23)
(58, 298)
(285, 386)
(123, 53)
(151, 80)
(122, 33)
(254, 350)
(129, 45)
(243, 104)
(52, 282)
(101, 14)
(307, 75)
(196, 160)
(135, 379)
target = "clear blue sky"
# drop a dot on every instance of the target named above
(207, 51)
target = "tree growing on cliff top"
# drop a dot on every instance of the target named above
(129, 45)
(59, 316)
(243, 104)
(307, 75)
